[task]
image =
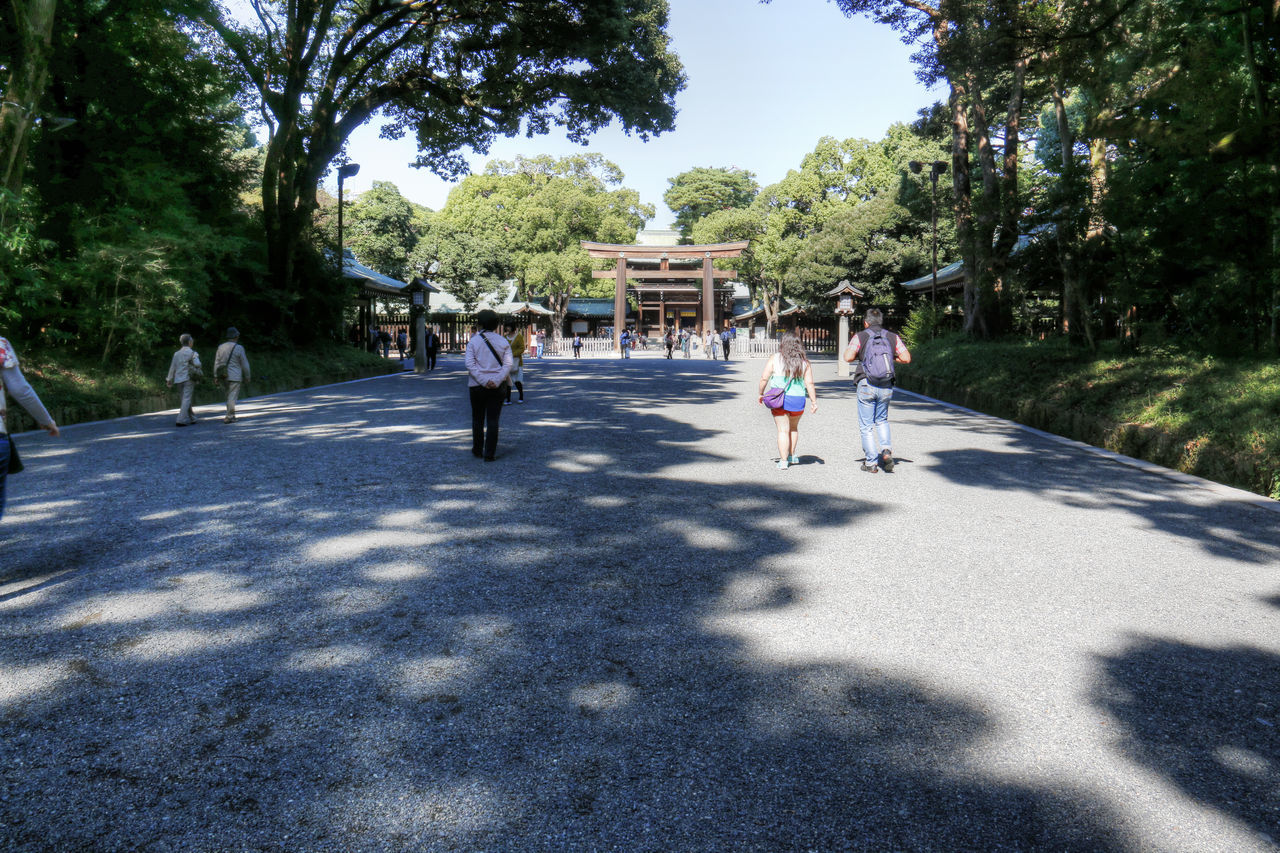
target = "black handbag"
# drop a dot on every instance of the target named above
(15, 463)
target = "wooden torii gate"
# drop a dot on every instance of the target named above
(624, 254)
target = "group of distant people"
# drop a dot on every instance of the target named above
(495, 366)
(713, 343)
(230, 369)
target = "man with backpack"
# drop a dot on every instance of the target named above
(875, 349)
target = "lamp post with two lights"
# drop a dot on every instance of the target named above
(936, 168)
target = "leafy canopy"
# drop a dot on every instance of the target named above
(702, 190)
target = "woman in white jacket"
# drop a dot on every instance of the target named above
(184, 370)
(13, 383)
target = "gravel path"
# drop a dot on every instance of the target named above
(330, 628)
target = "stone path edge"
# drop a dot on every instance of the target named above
(243, 401)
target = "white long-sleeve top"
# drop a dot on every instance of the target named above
(482, 367)
(184, 357)
(16, 385)
(231, 353)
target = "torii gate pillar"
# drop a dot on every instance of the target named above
(620, 304)
(708, 296)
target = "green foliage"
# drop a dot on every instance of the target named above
(470, 266)
(22, 290)
(133, 229)
(457, 76)
(1219, 418)
(539, 210)
(379, 229)
(926, 322)
(700, 191)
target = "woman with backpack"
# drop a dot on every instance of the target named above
(785, 385)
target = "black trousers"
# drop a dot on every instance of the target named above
(486, 408)
(431, 359)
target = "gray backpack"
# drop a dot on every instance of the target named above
(877, 356)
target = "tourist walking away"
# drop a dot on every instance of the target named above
(542, 343)
(385, 338)
(624, 344)
(184, 370)
(876, 350)
(726, 338)
(577, 346)
(231, 365)
(14, 384)
(517, 344)
(489, 364)
(431, 343)
(670, 341)
(402, 342)
(785, 385)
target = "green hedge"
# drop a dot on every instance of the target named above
(1213, 417)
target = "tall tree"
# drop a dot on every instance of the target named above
(29, 24)
(470, 266)
(379, 229)
(702, 190)
(137, 204)
(541, 209)
(457, 72)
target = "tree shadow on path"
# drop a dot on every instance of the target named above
(336, 630)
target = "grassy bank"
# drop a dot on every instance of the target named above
(77, 390)
(1216, 418)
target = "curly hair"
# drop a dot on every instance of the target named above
(793, 356)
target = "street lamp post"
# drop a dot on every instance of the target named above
(936, 168)
(346, 170)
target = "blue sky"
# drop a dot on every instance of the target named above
(765, 82)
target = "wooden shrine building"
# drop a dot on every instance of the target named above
(674, 286)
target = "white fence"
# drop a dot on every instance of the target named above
(743, 347)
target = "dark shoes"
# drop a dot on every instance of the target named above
(886, 461)
(870, 469)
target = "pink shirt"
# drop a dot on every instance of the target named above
(899, 348)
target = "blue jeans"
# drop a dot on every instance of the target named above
(873, 419)
(4, 470)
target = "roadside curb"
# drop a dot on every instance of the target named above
(1220, 489)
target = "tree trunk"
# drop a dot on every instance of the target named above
(1073, 309)
(1263, 71)
(24, 89)
(560, 307)
(1010, 199)
(985, 216)
(962, 194)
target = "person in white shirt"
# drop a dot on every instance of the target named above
(184, 370)
(488, 360)
(12, 382)
(231, 365)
